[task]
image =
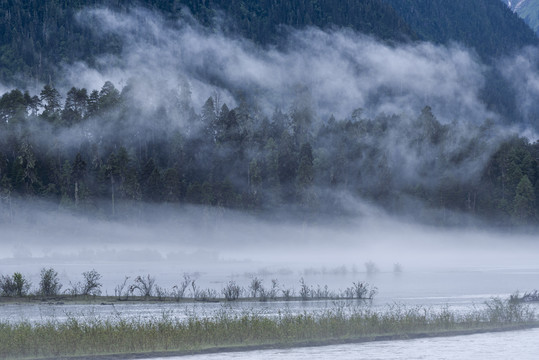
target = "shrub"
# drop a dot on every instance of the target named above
(22, 285)
(255, 287)
(91, 284)
(119, 290)
(232, 291)
(16, 285)
(360, 290)
(49, 285)
(304, 290)
(145, 285)
(178, 292)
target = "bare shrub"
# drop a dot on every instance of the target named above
(144, 285)
(161, 293)
(360, 290)
(206, 295)
(304, 290)
(288, 294)
(232, 291)
(194, 288)
(255, 287)
(119, 289)
(274, 289)
(178, 291)
(91, 284)
(322, 292)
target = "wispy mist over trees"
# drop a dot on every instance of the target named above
(85, 154)
(178, 108)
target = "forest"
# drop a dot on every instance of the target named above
(442, 144)
(36, 36)
(97, 152)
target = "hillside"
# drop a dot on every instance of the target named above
(245, 105)
(487, 26)
(36, 36)
(528, 10)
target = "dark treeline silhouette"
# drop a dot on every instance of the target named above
(101, 152)
(37, 36)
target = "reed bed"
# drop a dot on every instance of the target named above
(116, 335)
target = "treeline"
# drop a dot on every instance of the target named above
(103, 152)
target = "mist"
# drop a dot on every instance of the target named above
(167, 70)
(218, 245)
(337, 73)
(341, 69)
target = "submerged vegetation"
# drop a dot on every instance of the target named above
(146, 288)
(92, 336)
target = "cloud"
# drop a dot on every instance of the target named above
(343, 70)
(522, 72)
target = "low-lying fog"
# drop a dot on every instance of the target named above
(219, 245)
(343, 71)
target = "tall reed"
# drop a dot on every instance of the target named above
(116, 334)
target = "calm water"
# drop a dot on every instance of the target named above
(522, 345)
(460, 290)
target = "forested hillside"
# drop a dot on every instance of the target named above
(87, 155)
(235, 107)
(487, 26)
(37, 36)
(528, 10)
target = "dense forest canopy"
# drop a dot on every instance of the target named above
(127, 106)
(36, 36)
(85, 154)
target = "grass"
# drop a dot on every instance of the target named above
(117, 335)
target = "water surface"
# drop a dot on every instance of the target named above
(521, 345)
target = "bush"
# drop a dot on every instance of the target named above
(91, 285)
(255, 287)
(119, 290)
(232, 291)
(7, 286)
(144, 285)
(360, 290)
(16, 285)
(178, 292)
(49, 285)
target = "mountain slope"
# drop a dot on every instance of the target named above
(36, 36)
(487, 26)
(528, 10)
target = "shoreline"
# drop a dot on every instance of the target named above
(300, 344)
(131, 338)
(112, 300)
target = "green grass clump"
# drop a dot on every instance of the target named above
(93, 336)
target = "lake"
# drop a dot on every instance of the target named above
(522, 345)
